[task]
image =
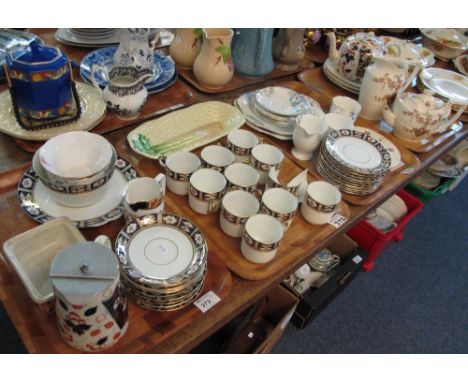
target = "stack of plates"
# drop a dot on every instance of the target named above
(274, 110)
(165, 74)
(331, 72)
(97, 37)
(354, 161)
(445, 167)
(163, 265)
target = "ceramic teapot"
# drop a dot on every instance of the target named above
(382, 80)
(355, 54)
(125, 92)
(41, 87)
(416, 116)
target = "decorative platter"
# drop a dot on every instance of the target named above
(93, 111)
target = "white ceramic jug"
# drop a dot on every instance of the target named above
(307, 135)
(186, 46)
(213, 67)
(382, 80)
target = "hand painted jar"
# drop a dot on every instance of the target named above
(213, 67)
(91, 305)
(186, 46)
(41, 86)
(252, 51)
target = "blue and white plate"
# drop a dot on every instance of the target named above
(164, 69)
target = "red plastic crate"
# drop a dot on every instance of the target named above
(374, 241)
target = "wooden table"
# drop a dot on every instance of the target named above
(243, 292)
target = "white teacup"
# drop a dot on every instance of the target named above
(236, 207)
(145, 196)
(338, 121)
(241, 176)
(179, 168)
(206, 190)
(241, 142)
(216, 157)
(281, 204)
(321, 201)
(345, 106)
(265, 157)
(261, 238)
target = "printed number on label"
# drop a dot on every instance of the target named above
(337, 220)
(207, 301)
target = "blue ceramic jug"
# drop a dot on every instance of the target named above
(41, 87)
(252, 51)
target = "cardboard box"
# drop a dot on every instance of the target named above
(257, 329)
(315, 300)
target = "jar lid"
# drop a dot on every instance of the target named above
(35, 57)
(83, 270)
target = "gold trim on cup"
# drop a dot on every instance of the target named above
(282, 217)
(258, 246)
(264, 166)
(241, 151)
(319, 206)
(205, 196)
(232, 218)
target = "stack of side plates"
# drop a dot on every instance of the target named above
(162, 264)
(354, 161)
(331, 72)
(93, 33)
(445, 167)
(274, 110)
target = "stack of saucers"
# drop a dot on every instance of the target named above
(354, 161)
(163, 263)
(445, 167)
(273, 110)
(93, 33)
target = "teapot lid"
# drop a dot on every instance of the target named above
(36, 56)
(83, 270)
(425, 101)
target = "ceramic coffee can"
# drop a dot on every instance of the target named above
(90, 302)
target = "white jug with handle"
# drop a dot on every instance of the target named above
(382, 80)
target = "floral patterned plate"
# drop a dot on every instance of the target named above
(281, 101)
(35, 200)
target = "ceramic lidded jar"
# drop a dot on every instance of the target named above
(42, 87)
(213, 67)
(186, 46)
(416, 116)
(355, 54)
(91, 305)
(288, 48)
(252, 51)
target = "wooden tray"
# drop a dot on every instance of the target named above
(239, 81)
(38, 329)
(410, 161)
(300, 238)
(321, 86)
(177, 96)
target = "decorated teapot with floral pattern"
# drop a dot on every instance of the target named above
(355, 53)
(416, 116)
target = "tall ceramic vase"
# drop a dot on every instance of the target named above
(213, 67)
(288, 48)
(252, 51)
(186, 46)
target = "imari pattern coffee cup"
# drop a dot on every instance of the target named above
(216, 157)
(241, 176)
(321, 201)
(241, 142)
(265, 157)
(280, 204)
(261, 238)
(237, 207)
(179, 168)
(207, 187)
